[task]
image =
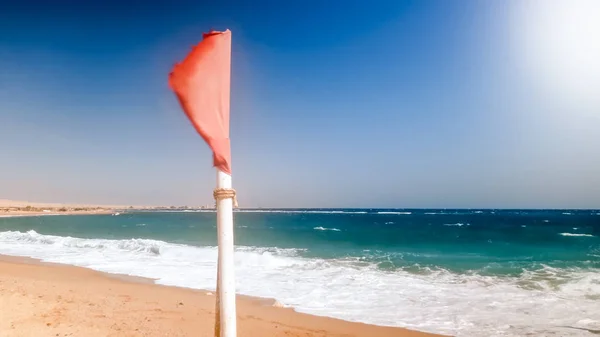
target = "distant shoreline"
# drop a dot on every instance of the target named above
(27, 208)
(15, 214)
(19, 208)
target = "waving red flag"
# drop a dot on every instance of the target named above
(202, 85)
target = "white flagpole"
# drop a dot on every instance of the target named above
(225, 267)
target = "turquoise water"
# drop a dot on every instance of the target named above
(459, 272)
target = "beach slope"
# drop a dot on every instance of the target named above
(38, 299)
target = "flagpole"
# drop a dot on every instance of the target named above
(226, 315)
(202, 85)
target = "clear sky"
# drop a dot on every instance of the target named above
(334, 103)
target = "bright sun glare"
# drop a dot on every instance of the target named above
(559, 43)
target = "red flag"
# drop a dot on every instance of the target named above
(202, 85)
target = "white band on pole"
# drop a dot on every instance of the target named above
(225, 267)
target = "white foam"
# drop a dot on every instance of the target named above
(460, 224)
(402, 213)
(577, 234)
(327, 229)
(437, 301)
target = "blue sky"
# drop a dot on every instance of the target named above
(334, 103)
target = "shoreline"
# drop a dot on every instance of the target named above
(42, 298)
(19, 214)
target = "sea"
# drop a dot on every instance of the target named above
(455, 272)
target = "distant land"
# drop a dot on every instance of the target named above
(18, 208)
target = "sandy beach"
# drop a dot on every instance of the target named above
(40, 299)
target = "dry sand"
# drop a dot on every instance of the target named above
(39, 299)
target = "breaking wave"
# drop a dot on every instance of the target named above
(441, 301)
(577, 234)
(327, 229)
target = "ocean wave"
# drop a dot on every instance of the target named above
(290, 252)
(460, 224)
(577, 234)
(327, 229)
(457, 212)
(32, 237)
(537, 302)
(402, 213)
